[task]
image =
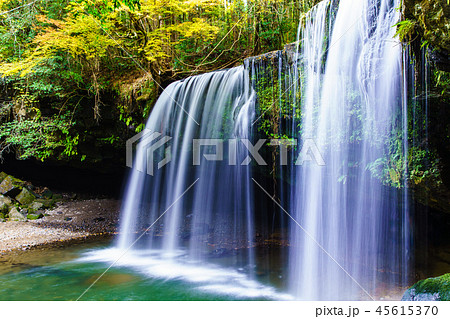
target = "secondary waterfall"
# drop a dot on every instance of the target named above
(355, 232)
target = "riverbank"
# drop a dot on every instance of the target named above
(68, 220)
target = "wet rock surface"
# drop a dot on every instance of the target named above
(412, 295)
(430, 289)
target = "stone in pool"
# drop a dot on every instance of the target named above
(430, 289)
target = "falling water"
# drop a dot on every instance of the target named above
(351, 232)
(192, 212)
(217, 106)
(355, 230)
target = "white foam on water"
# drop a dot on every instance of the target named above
(205, 276)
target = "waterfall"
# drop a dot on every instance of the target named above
(203, 209)
(345, 89)
(356, 231)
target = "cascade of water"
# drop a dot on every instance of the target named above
(356, 230)
(217, 211)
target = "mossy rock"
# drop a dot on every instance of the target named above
(47, 203)
(47, 194)
(57, 197)
(3, 175)
(25, 197)
(35, 206)
(36, 215)
(5, 204)
(11, 186)
(430, 289)
(15, 215)
(5, 200)
(4, 209)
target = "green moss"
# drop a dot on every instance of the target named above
(25, 197)
(4, 209)
(47, 203)
(440, 285)
(442, 82)
(11, 186)
(35, 216)
(3, 175)
(432, 19)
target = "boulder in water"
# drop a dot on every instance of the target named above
(430, 289)
(412, 295)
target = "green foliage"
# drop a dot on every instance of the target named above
(110, 139)
(442, 82)
(40, 138)
(419, 165)
(276, 103)
(74, 57)
(405, 30)
(391, 169)
(423, 166)
(432, 20)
